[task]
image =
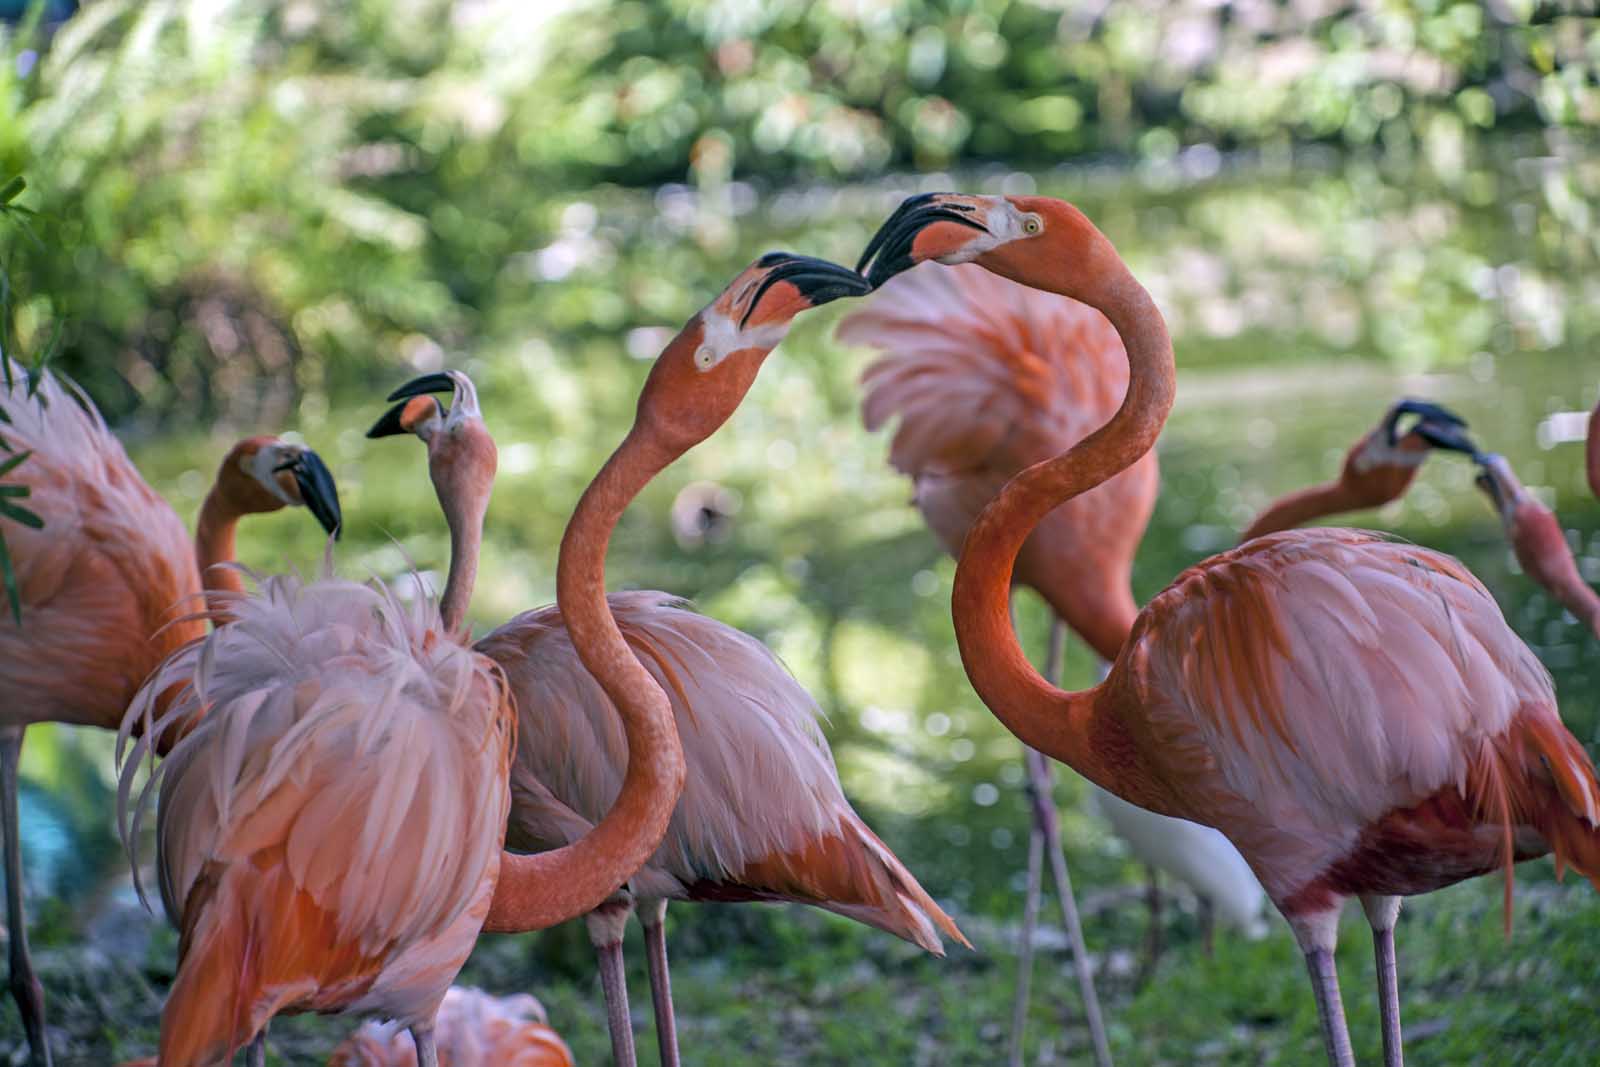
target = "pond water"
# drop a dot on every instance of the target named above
(1305, 295)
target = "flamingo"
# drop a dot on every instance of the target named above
(329, 834)
(1378, 469)
(1353, 713)
(472, 1029)
(99, 583)
(986, 377)
(1537, 540)
(762, 816)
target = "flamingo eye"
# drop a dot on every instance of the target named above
(704, 357)
(1032, 225)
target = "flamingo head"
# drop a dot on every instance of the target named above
(262, 474)
(1036, 240)
(462, 458)
(705, 371)
(1435, 427)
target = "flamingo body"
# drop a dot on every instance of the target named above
(762, 815)
(329, 835)
(1357, 717)
(985, 377)
(473, 1029)
(100, 581)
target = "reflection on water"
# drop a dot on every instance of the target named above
(1304, 300)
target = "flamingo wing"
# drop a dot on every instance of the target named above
(112, 565)
(762, 815)
(329, 836)
(1283, 679)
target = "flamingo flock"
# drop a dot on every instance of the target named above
(350, 790)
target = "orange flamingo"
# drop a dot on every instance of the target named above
(329, 834)
(99, 585)
(473, 1029)
(1378, 469)
(762, 816)
(1537, 540)
(1353, 713)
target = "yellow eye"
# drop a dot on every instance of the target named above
(1032, 226)
(704, 357)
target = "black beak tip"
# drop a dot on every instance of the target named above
(817, 280)
(1447, 436)
(318, 491)
(389, 424)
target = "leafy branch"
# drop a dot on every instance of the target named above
(12, 494)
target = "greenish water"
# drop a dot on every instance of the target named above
(1305, 296)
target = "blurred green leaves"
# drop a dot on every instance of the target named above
(13, 214)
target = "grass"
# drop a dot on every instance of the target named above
(787, 986)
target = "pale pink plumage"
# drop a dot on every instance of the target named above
(1408, 664)
(984, 377)
(111, 567)
(329, 835)
(472, 1029)
(762, 814)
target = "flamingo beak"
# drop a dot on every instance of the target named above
(404, 415)
(317, 489)
(1437, 425)
(1488, 477)
(814, 281)
(929, 226)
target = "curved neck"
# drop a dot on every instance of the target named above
(466, 540)
(1062, 725)
(214, 534)
(1559, 574)
(538, 891)
(1315, 502)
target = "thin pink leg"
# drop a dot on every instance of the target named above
(1045, 807)
(606, 924)
(1330, 1008)
(1382, 914)
(256, 1054)
(652, 916)
(25, 987)
(1030, 921)
(427, 1050)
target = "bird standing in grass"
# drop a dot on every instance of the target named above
(762, 815)
(1353, 713)
(329, 834)
(105, 586)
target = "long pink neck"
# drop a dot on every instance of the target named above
(541, 890)
(1063, 725)
(214, 535)
(1302, 506)
(465, 519)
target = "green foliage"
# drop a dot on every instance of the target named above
(10, 495)
(654, 90)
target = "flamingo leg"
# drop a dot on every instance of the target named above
(1330, 1008)
(256, 1054)
(427, 1049)
(652, 916)
(1030, 920)
(1152, 938)
(606, 924)
(25, 987)
(1382, 912)
(1044, 806)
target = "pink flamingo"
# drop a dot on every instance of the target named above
(99, 585)
(1378, 469)
(1538, 541)
(762, 815)
(472, 1029)
(1353, 713)
(329, 834)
